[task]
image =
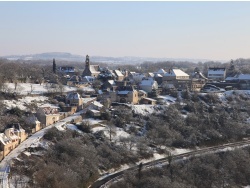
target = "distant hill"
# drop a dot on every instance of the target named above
(79, 58)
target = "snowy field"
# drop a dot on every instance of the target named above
(145, 109)
(23, 102)
(223, 96)
(116, 135)
(28, 88)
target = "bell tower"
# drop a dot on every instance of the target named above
(87, 61)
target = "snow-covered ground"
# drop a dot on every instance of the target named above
(23, 102)
(117, 133)
(224, 95)
(248, 120)
(92, 121)
(168, 99)
(34, 140)
(145, 109)
(26, 88)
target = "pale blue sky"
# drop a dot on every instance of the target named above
(211, 30)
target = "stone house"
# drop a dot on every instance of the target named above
(33, 121)
(11, 138)
(216, 73)
(127, 94)
(74, 99)
(5, 144)
(198, 80)
(177, 77)
(148, 101)
(17, 130)
(109, 85)
(118, 75)
(148, 84)
(48, 114)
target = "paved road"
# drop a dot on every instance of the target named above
(107, 180)
(32, 140)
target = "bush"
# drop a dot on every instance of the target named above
(84, 126)
(16, 111)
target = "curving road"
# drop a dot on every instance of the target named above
(108, 180)
(33, 139)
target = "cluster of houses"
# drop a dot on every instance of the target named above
(13, 135)
(120, 86)
(46, 114)
(131, 87)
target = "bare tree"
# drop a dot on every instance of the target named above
(111, 131)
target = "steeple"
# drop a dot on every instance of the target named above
(87, 61)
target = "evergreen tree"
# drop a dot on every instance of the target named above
(54, 66)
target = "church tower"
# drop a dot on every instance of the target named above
(87, 61)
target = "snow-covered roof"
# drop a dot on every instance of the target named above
(231, 78)
(239, 77)
(12, 136)
(216, 70)
(149, 99)
(179, 72)
(48, 106)
(112, 82)
(176, 72)
(86, 100)
(94, 68)
(4, 139)
(94, 111)
(97, 104)
(142, 91)
(118, 73)
(148, 82)
(123, 92)
(244, 77)
(158, 75)
(151, 74)
(161, 71)
(198, 74)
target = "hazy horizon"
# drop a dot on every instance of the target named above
(191, 30)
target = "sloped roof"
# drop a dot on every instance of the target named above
(48, 106)
(216, 70)
(244, 77)
(112, 82)
(94, 68)
(4, 139)
(97, 104)
(239, 77)
(161, 71)
(118, 73)
(142, 91)
(148, 82)
(176, 72)
(158, 75)
(149, 99)
(199, 74)
(179, 72)
(151, 74)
